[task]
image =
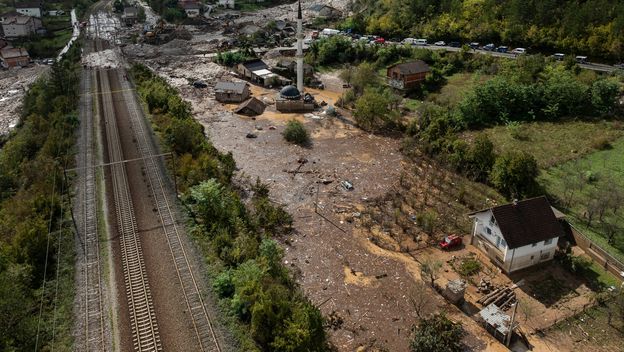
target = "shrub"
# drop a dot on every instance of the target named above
(514, 174)
(469, 267)
(601, 143)
(223, 284)
(437, 333)
(296, 133)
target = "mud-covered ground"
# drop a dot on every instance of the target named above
(14, 84)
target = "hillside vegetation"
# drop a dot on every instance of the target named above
(592, 27)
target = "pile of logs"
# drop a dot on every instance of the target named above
(503, 297)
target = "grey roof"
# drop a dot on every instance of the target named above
(131, 11)
(191, 5)
(255, 65)
(251, 106)
(495, 317)
(409, 68)
(230, 87)
(28, 5)
(290, 92)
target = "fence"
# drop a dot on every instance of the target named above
(598, 255)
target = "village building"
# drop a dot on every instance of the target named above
(325, 11)
(407, 75)
(246, 69)
(228, 4)
(192, 8)
(3, 43)
(32, 8)
(130, 15)
(231, 92)
(17, 25)
(290, 99)
(14, 57)
(517, 235)
(250, 107)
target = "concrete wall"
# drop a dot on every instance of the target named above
(598, 255)
(523, 257)
(34, 12)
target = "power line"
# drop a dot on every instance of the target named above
(58, 262)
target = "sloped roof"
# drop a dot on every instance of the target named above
(526, 222)
(190, 5)
(10, 53)
(234, 87)
(28, 5)
(254, 65)
(253, 105)
(408, 68)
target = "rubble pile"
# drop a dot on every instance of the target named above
(503, 297)
(13, 85)
(108, 58)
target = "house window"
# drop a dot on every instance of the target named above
(547, 242)
(488, 230)
(492, 219)
(533, 245)
(503, 243)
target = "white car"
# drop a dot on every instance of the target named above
(519, 51)
(440, 43)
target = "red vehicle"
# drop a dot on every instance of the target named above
(450, 242)
(380, 40)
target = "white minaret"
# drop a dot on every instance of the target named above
(299, 50)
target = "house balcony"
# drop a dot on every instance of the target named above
(490, 249)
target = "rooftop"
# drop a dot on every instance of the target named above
(526, 222)
(409, 68)
(235, 87)
(10, 53)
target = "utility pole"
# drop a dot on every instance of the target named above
(511, 324)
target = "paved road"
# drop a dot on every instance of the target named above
(588, 66)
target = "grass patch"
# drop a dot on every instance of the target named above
(554, 143)
(468, 267)
(412, 104)
(549, 290)
(581, 185)
(455, 88)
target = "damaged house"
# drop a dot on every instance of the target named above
(231, 92)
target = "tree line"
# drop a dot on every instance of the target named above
(34, 216)
(237, 228)
(593, 27)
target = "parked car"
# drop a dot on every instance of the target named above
(489, 47)
(450, 242)
(519, 51)
(409, 41)
(440, 43)
(308, 41)
(200, 84)
(346, 185)
(558, 56)
(455, 44)
(502, 49)
(422, 42)
(380, 40)
(474, 45)
(620, 65)
(581, 59)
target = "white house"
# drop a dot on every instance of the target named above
(228, 4)
(17, 25)
(517, 235)
(32, 8)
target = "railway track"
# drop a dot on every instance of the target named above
(94, 325)
(163, 198)
(143, 321)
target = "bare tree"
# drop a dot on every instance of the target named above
(430, 268)
(421, 300)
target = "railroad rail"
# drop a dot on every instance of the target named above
(94, 322)
(143, 322)
(162, 196)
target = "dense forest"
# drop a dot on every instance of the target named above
(591, 27)
(36, 234)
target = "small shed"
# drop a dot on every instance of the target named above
(325, 11)
(251, 107)
(246, 68)
(407, 75)
(231, 92)
(192, 8)
(496, 322)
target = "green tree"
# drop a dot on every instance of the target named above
(604, 94)
(437, 333)
(480, 158)
(514, 174)
(372, 109)
(296, 133)
(430, 269)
